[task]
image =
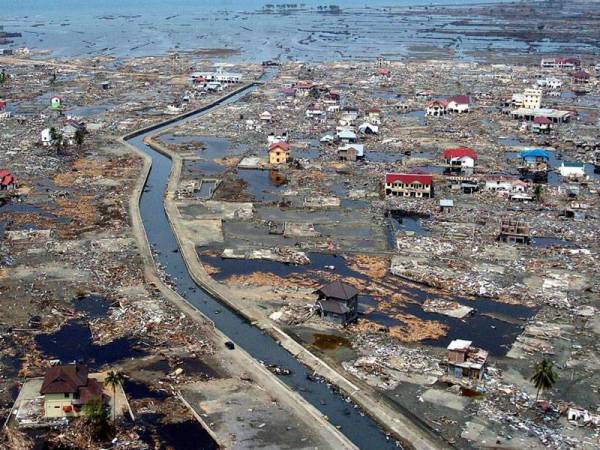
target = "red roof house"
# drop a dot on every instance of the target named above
(2, 105)
(7, 181)
(67, 388)
(408, 185)
(581, 76)
(459, 103)
(460, 152)
(542, 120)
(460, 158)
(280, 144)
(408, 178)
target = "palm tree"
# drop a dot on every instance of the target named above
(544, 376)
(114, 379)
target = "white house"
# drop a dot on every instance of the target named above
(327, 139)
(505, 184)
(46, 137)
(572, 169)
(266, 116)
(314, 112)
(437, 108)
(346, 136)
(459, 104)
(550, 82)
(218, 75)
(460, 158)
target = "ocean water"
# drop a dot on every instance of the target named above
(360, 30)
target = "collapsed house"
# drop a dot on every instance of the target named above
(514, 231)
(465, 360)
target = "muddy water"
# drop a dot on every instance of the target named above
(363, 431)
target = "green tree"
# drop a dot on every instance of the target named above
(544, 376)
(97, 417)
(79, 137)
(3, 77)
(112, 380)
(539, 192)
(56, 138)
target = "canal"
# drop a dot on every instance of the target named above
(359, 428)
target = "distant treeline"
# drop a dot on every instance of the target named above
(327, 8)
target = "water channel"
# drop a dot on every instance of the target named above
(359, 428)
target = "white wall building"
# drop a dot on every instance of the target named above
(46, 138)
(532, 98)
(572, 169)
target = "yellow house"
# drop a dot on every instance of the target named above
(67, 389)
(278, 152)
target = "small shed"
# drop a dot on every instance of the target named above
(351, 152)
(446, 205)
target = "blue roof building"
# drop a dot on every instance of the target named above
(535, 154)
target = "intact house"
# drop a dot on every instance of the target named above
(459, 104)
(581, 77)
(217, 76)
(550, 82)
(304, 88)
(459, 158)
(532, 98)
(7, 181)
(315, 112)
(266, 116)
(347, 136)
(541, 124)
(437, 108)
(338, 302)
(279, 152)
(563, 62)
(408, 185)
(67, 389)
(505, 184)
(534, 159)
(384, 74)
(351, 152)
(465, 360)
(46, 137)
(554, 115)
(55, 103)
(349, 113)
(572, 169)
(374, 115)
